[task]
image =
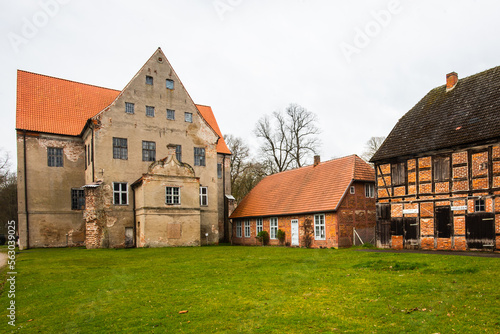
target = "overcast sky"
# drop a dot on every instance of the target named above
(358, 65)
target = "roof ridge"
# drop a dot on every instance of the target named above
(68, 80)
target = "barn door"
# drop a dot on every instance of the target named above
(443, 222)
(480, 230)
(410, 232)
(383, 225)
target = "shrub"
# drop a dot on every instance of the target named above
(308, 233)
(281, 237)
(263, 237)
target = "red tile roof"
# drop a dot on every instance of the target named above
(208, 115)
(59, 106)
(305, 190)
(53, 105)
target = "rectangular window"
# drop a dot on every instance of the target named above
(188, 117)
(199, 156)
(260, 225)
(55, 157)
(274, 228)
(319, 227)
(203, 196)
(172, 195)
(77, 199)
(120, 150)
(219, 171)
(178, 153)
(238, 229)
(247, 228)
(85, 157)
(148, 151)
(170, 84)
(129, 108)
(171, 114)
(150, 111)
(479, 205)
(369, 190)
(441, 169)
(398, 174)
(149, 80)
(352, 190)
(89, 154)
(120, 193)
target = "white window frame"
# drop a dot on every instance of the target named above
(259, 222)
(352, 190)
(247, 228)
(171, 197)
(369, 190)
(120, 192)
(273, 228)
(238, 229)
(319, 227)
(203, 196)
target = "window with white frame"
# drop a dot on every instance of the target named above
(199, 156)
(319, 227)
(54, 157)
(172, 195)
(170, 84)
(120, 193)
(353, 190)
(247, 228)
(369, 190)
(203, 196)
(188, 117)
(150, 111)
(274, 228)
(260, 225)
(129, 108)
(238, 229)
(171, 114)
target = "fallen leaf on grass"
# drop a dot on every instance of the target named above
(182, 312)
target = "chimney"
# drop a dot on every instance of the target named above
(451, 80)
(317, 160)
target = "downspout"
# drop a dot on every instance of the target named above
(226, 210)
(92, 154)
(135, 219)
(26, 192)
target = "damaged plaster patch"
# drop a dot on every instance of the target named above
(72, 150)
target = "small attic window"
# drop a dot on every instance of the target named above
(149, 80)
(352, 190)
(170, 84)
(129, 108)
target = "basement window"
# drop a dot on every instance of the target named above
(172, 195)
(77, 199)
(120, 193)
(55, 157)
(319, 227)
(149, 80)
(170, 84)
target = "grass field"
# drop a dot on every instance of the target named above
(252, 289)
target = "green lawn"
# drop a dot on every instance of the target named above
(252, 289)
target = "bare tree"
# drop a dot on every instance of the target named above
(371, 147)
(8, 195)
(288, 139)
(239, 158)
